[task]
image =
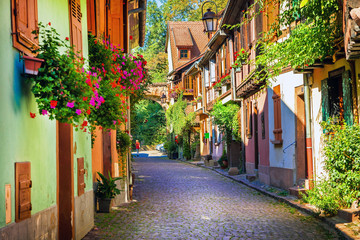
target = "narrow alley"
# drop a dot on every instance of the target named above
(175, 200)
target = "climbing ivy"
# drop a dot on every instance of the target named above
(225, 117)
(317, 34)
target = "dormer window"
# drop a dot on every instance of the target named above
(184, 54)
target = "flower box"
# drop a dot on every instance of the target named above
(32, 65)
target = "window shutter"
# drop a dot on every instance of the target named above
(91, 16)
(81, 176)
(347, 96)
(116, 23)
(75, 21)
(217, 72)
(277, 114)
(23, 186)
(325, 108)
(25, 20)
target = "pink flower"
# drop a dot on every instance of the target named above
(114, 121)
(78, 111)
(44, 112)
(92, 102)
(70, 104)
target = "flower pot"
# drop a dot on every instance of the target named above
(225, 163)
(104, 205)
(32, 65)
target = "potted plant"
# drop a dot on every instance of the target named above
(106, 191)
(241, 58)
(32, 65)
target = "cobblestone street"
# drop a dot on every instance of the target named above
(176, 200)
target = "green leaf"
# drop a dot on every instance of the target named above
(303, 3)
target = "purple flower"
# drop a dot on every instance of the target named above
(70, 104)
(44, 112)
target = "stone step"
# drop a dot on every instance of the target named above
(295, 191)
(350, 215)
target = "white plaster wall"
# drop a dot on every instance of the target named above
(171, 66)
(279, 158)
(316, 119)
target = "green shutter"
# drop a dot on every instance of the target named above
(325, 108)
(346, 85)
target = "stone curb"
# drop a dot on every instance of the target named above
(346, 234)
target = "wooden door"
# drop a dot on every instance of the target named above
(65, 181)
(301, 168)
(106, 153)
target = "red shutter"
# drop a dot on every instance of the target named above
(91, 17)
(116, 22)
(75, 21)
(277, 114)
(81, 176)
(24, 21)
(22, 191)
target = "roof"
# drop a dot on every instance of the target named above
(182, 37)
(190, 35)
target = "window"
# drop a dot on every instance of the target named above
(24, 21)
(277, 115)
(75, 25)
(184, 54)
(336, 96)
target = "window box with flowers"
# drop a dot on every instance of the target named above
(66, 91)
(240, 58)
(198, 99)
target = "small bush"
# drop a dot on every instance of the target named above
(342, 164)
(186, 150)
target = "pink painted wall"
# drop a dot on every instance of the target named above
(260, 98)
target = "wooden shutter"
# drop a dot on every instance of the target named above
(277, 114)
(23, 186)
(217, 73)
(347, 96)
(75, 25)
(81, 176)
(325, 107)
(24, 21)
(90, 4)
(116, 22)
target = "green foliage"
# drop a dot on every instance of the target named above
(60, 81)
(341, 187)
(123, 142)
(170, 146)
(222, 158)
(186, 150)
(224, 116)
(314, 38)
(148, 122)
(107, 187)
(179, 122)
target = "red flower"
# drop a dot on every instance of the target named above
(307, 65)
(243, 51)
(49, 23)
(67, 39)
(88, 112)
(53, 103)
(131, 37)
(32, 115)
(145, 62)
(85, 98)
(85, 123)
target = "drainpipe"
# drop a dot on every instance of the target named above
(309, 155)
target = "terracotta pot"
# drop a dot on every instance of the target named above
(32, 65)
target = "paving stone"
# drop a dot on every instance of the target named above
(181, 201)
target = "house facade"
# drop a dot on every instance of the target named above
(48, 168)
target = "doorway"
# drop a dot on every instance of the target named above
(301, 163)
(65, 181)
(256, 138)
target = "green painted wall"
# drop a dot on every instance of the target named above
(21, 137)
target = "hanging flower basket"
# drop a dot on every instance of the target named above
(32, 65)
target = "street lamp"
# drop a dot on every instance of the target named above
(209, 18)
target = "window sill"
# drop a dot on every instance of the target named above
(277, 142)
